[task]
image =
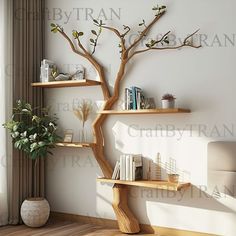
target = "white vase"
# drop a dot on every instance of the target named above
(35, 212)
(167, 104)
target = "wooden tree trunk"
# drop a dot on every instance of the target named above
(126, 220)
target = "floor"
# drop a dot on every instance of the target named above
(61, 229)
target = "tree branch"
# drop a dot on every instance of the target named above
(127, 28)
(71, 43)
(82, 47)
(91, 59)
(119, 35)
(186, 43)
(145, 31)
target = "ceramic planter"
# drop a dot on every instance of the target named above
(167, 104)
(173, 178)
(35, 212)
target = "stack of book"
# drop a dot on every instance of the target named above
(129, 167)
(134, 98)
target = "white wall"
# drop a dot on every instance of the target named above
(203, 80)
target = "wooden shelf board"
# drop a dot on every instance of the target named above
(165, 185)
(75, 145)
(68, 83)
(146, 111)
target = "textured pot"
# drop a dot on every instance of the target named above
(166, 104)
(35, 212)
(173, 178)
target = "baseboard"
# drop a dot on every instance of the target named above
(160, 231)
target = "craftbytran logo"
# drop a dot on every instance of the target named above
(192, 192)
(85, 14)
(72, 15)
(189, 130)
(205, 40)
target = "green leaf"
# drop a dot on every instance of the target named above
(53, 25)
(54, 30)
(75, 34)
(80, 34)
(95, 21)
(92, 41)
(94, 32)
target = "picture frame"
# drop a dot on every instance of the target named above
(68, 136)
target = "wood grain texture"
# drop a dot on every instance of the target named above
(165, 185)
(59, 229)
(146, 111)
(75, 145)
(69, 83)
(126, 220)
(113, 224)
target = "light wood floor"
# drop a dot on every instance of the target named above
(61, 229)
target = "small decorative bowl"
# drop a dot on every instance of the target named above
(173, 178)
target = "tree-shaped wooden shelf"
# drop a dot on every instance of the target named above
(145, 111)
(75, 145)
(126, 220)
(68, 83)
(149, 184)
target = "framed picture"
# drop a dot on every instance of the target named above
(68, 136)
(149, 103)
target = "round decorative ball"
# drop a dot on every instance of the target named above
(35, 212)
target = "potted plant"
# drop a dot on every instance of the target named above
(173, 178)
(168, 101)
(35, 135)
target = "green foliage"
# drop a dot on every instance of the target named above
(143, 23)
(98, 23)
(94, 41)
(151, 43)
(77, 34)
(55, 28)
(159, 9)
(31, 133)
(168, 96)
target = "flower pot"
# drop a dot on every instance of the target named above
(167, 104)
(173, 178)
(35, 212)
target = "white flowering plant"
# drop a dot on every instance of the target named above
(31, 133)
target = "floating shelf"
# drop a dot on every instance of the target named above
(146, 111)
(165, 185)
(75, 145)
(68, 83)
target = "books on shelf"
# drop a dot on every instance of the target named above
(134, 98)
(129, 167)
(116, 172)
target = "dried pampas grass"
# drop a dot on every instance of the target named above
(83, 111)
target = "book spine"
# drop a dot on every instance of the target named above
(131, 163)
(130, 100)
(122, 167)
(138, 97)
(134, 98)
(134, 171)
(127, 167)
(115, 170)
(126, 99)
